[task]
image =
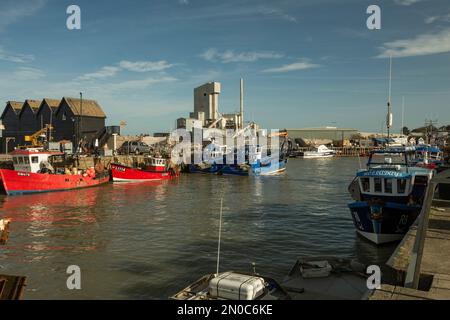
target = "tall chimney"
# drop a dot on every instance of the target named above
(242, 103)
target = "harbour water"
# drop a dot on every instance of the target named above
(149, 240)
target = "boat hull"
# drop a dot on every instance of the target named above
(383, 222)
(307, 155)
(220, 169)
(271, 168)
(122, 173)
(19, 182)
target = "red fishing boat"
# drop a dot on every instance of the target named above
(154, 169)
(33, 173)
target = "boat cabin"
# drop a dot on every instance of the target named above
(30, 160)
(155, 164)
(385, 183)
(427, 154)
(390, 174)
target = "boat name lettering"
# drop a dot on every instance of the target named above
(23, 174)
(384, 173)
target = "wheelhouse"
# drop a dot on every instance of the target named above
(385, 183)
(30, 160)
(155, 164)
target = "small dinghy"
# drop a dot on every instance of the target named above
(233, 286)
(327, 278)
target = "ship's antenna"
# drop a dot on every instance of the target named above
(389, 114)
(220, 234)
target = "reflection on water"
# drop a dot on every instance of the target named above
(148, 240)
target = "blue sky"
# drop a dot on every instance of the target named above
(305, 63)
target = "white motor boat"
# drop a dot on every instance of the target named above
(319, 152)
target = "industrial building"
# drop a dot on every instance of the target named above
(72, 119)
(312, 136)
(206, 110)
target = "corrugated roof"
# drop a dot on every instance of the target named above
(90, 108)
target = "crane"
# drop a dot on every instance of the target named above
(34, 138)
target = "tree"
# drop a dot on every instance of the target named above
(405, 131)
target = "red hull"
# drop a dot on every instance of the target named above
(19, 182)
(124, 173)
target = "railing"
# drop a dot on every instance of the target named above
(415, 262)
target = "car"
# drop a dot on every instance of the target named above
(136, 147)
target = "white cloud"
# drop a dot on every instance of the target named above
(26, 73)
(105, 72)
(137, 66)
(14, 57)
(425, 44)
(12, 11)
(277, 13)
(140, 84)
(443, 18)
(231, 56)
(406, 2)
(145, 66)
(296, 66)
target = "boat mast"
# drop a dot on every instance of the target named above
(403, 115)
(389, 117)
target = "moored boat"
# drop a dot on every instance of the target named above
(154, 169)
(319, 152)
(388, 196)
(233, 286)
(327, 278)
(33, 173)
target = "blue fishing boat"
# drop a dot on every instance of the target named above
(388, 195)
(427, 156)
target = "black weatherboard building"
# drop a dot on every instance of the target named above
(77, 119)
(72, 119)
(10, 121)
(45, 114)
(27, 119)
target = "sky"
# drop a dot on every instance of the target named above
(305, 63)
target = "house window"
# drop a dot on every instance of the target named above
(64, 118)
(34, 160)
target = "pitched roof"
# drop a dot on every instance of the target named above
(15, 105)
(34, 104)
(90, 107)
(52, 103)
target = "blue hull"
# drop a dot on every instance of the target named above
(383, 222)
(256, 170)
(269, 169)
(220, 169)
